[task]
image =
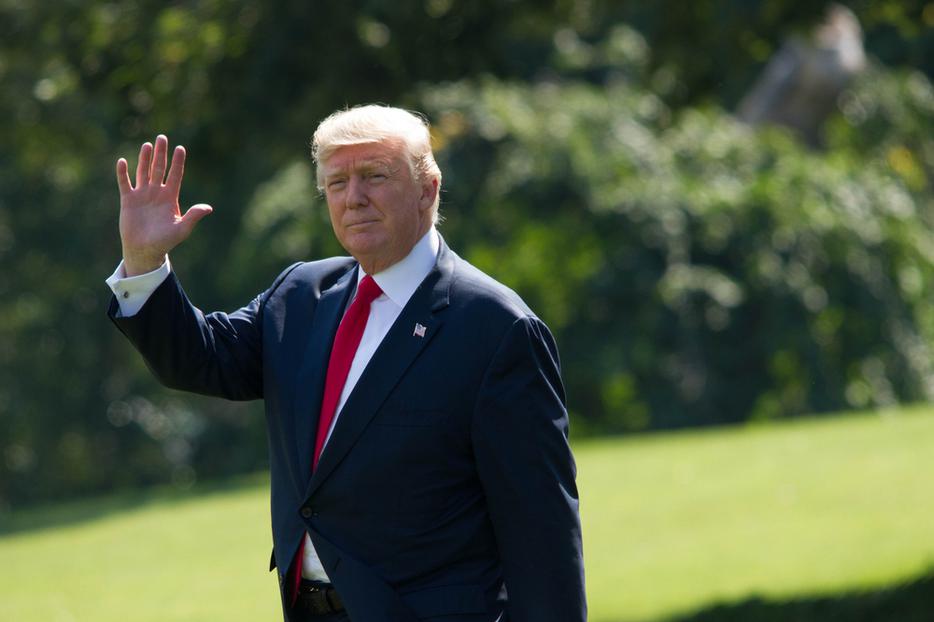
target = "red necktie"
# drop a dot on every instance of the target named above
(346, 342)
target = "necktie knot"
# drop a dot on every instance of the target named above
(367, 291)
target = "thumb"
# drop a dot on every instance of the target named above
(194, 214)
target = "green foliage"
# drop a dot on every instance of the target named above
(697, 271)
(242, 85)
(712, 50)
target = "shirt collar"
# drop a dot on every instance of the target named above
(400, 280)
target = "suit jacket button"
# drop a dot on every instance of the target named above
(307, 513)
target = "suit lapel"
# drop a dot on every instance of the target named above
(392, 358)
(309, 383)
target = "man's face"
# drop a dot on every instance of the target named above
(377, 209)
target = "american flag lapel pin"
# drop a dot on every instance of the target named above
(419, 330)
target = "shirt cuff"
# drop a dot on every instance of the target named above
(132, 292)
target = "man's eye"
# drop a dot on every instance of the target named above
(337, 184)
(377, 176)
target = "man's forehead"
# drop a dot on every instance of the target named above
(361, 155)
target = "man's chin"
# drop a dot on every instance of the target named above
(364, 246)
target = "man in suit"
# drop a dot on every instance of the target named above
(417, 429)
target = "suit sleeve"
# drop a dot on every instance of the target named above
(520, 438)
(217, 354)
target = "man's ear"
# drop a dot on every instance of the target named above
(429, 192)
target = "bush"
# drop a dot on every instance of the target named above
(697, 271)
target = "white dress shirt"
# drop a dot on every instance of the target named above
(132, 292)
(398, 282)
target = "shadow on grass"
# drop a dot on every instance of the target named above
(912, 601)
(71, 513)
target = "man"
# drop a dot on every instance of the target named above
(419, 461)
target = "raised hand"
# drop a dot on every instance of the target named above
(151, 223)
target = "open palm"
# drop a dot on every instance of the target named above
(151, 223)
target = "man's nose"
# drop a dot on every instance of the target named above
(356, 193)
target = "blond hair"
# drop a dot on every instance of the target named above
(374, 123)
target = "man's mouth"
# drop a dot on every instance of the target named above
(362, 223)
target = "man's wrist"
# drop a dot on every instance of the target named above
(135, 265)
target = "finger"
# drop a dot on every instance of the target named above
(142, 167)
(159, 160)
(194, 214)
(174, 181)
(123, 177)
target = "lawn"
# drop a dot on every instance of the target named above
(673, 523)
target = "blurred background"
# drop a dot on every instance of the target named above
(722, 208)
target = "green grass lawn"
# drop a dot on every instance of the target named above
(675, 522)
(672, 524)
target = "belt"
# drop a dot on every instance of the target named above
(317, 599)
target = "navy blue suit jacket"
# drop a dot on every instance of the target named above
(447, 488)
